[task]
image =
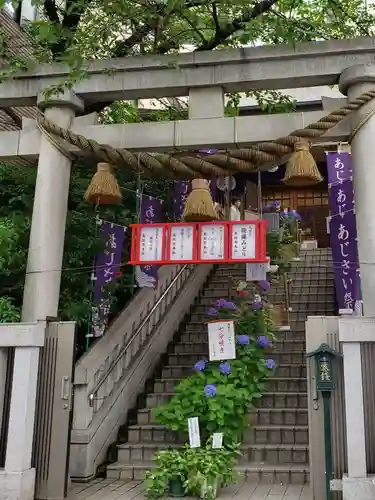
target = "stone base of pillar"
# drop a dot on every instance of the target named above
(358, 488)
(17, 485)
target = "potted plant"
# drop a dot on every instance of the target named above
(209, 469)
(169, 474)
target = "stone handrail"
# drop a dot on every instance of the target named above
(111, 375)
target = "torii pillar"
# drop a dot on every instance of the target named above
(46, 247)
(355, 81)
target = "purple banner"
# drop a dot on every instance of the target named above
(151, 212)
(107, 264)
(343, 230)
(181, 190)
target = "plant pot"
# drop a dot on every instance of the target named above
(176, 488)
(209, 488)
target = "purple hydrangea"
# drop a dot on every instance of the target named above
(212, 311)
(263, 341)
(224, 368)
(257, 305)
(270, 364)
(221, 303)
(200, 365)
(264, 285)
(230, 305)
(243, 339)
(210, 390)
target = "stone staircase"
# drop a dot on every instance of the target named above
(275, 447)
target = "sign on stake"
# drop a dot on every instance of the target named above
(221, 340)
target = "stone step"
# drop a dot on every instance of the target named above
(257, 434)
(301, 311)
(201, 336)
(296, 325)
(252, 473)
(279, 358)
(260, 416)
(130, 453)
(183, 347)
(282, 370)
(269, 399)
(273, 384)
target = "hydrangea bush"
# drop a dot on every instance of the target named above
(221, 394)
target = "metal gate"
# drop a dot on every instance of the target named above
(54, 412)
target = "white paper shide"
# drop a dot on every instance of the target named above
(221, 340)
(243, 241)
(182, 243)
(151, 249)
(194, 435)
(212, 242)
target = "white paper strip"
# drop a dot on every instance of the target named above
(181, 242)
(194, 435)
(221, 340)
(217, 440)
(243, 241)
(256, 272)
(212, 242)
(151, 244)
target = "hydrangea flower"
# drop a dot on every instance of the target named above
(243, 339)
(263, 341)
(230, 305)
(210, 390)
(264, 285)
(220, 303)
(257, 305)
(200, 365)
(212, 311)
(270, 364)
(243, 293)
(224, 368)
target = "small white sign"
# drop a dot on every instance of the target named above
(194, 435)
(256, 272)
(217, 440)
(212, 239)
(151, 244)
(221, 340)
(181, 243)
(243, 241)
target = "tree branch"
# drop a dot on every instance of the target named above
(224, 32)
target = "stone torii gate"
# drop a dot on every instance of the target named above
(204, 77)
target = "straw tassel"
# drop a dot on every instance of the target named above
(199, 206)
(103, 188)
(301, 169)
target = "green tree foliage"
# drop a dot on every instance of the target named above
(77, 30)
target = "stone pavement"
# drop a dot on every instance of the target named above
(108, 489)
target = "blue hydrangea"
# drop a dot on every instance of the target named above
(210, 390)
(224, 368)
(212, 311)
(221, 303)
(264, 285)
(200, 365)
(270, 363)
(263, 341)
(257, 305)
(230, 305)
(243, 339)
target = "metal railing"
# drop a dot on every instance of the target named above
(124, 349)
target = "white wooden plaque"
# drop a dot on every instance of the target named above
(194, 435)
(243, 241)
(181, 241)
(151, 244)
(217, 440)
(212, 242)
(221, 340)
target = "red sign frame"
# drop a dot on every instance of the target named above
(260, 242)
